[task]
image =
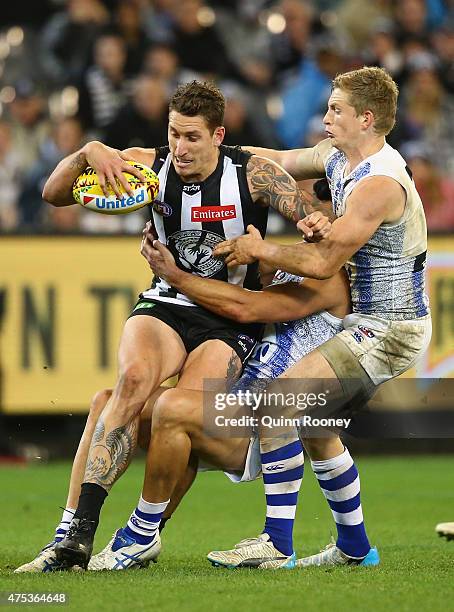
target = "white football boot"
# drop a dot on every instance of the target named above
(252, 552)
(332, 555)
(45, 561)
(122, 552)
(445, 530)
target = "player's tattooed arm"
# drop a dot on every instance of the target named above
(58, 187)
(78, 162)
(108, 163)
(110, 454)
(316, 205)
(271, 185)
(320, 199)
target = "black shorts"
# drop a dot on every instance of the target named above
(195, 325)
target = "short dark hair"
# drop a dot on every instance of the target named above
(204, 99)
(322, 190)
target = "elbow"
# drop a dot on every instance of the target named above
(319, 271)
(53, 196)
(240, 313)
(246, 317)
(49, 194)
(322, 274)
(324, 270)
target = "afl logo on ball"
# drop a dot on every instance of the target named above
(193, 249)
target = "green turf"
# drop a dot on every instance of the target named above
(403, 498)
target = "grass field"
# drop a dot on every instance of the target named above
(403, 498)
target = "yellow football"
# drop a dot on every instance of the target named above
(88, 193)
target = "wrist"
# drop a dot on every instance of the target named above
(89, 147)
(261, 250)
(175, 277)
(85, 151)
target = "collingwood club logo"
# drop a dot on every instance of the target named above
(193, 249)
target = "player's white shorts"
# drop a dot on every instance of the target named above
(252, 465)
(376, 349)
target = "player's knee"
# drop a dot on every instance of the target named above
(98, 402)
(134, 384)
(313, 446)
(321, 448)
(170, 410)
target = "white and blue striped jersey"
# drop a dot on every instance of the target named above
(387, 274)
(284, 344)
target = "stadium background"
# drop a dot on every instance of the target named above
(77, 70)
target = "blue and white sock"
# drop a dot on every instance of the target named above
(67, 517)
(282, 471)
(339, 481)
(143, 524)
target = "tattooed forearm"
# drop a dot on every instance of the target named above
(78, 162)
(272, 186)
(110, 454)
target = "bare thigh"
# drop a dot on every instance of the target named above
(150, 350)
(217, 361)
(187, 407)
(214, 360)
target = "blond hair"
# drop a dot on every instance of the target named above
(373, 89)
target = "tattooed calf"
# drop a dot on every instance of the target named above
(110, 454)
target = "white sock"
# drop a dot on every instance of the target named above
(67, 517)
(144, 521)
(339, 481)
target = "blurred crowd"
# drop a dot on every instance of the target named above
(78, 70)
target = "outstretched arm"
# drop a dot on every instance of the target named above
(299, 163)
(375, 201)
(109, 164)
(284, 302)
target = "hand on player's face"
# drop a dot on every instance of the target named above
(241, 250)
(315, 227)
(159, 257)
(109, 164)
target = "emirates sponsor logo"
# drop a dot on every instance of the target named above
(209, 214)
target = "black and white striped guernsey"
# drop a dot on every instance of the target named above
(192, 218)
